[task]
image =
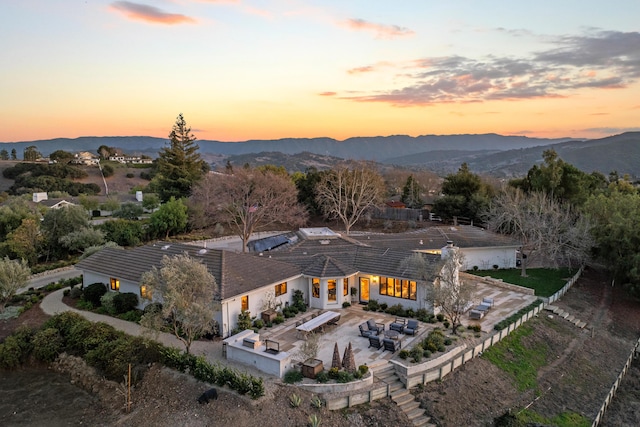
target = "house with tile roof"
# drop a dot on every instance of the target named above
(322, 264)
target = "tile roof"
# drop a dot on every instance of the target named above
(235, 273)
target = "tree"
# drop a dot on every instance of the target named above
(13, 276)
(411, 193)
(170, 218)
(250, 200)
(31, 154)
(545, 227)
(4, 154)
(345, 193)
(57, 223)
(123, 232)
(617, 234)
(14, 154)
(150, 201)
(77, 241)
(187, 292)
(27, 240)
(111, 204)
(306, 183)
(88, 202)
(451, 294)
(130, 211)
(465, 195)
(179, 164)
(105, 152)
(61, 156)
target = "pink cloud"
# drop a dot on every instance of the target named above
(327, 94)
(381, 30)
(143, 12)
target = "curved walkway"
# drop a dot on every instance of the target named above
(211, 350)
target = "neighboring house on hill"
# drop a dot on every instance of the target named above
(324, 272)
(85, 158)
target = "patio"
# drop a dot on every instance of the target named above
(506, 302)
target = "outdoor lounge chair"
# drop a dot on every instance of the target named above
(375, 327)
(398, 325)
(411, 327)
(364, 331)
(391, 345)
(487, 301)
(475, 314)
(375, 341)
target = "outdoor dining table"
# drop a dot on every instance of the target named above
(317, 322)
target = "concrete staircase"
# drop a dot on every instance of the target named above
(402, 397)
(569, 317)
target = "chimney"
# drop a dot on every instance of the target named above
(139, 196)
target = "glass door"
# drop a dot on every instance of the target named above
(364, 290)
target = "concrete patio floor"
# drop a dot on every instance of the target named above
(506, 302)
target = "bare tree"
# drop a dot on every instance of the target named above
(187, 292)
(345, 193)
(250, 200)
(13, 276)
(546, 228)
(451, 294)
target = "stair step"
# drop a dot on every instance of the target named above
(403, 398)
(581, 325)
(571, 318)
(551, 307)
(415, 413)
(422, 421)
(395, 386)
(410, 406)
(576, 321)
(387, 376)
(400, 393)
(564, 315)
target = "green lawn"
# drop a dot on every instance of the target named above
(545, 281)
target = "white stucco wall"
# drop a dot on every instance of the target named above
(89, 278)
(486, 258)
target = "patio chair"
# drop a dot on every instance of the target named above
(375, 327)
(364, 331)
(391, 345)
(375, 341)
(334, 321)
(411, 327)
(475, 314)
(487, 301)
(398, 325)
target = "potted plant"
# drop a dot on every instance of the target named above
(354, 294)
(269, 305)
(308, 352)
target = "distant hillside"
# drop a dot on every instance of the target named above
(618, 152)
(497, 155)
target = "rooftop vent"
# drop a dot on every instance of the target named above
(165, 247)
(202, 251)
(325, 242)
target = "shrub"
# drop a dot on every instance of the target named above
(363, 369)
(433, 341)
(125, 302)
(410, 313)
(131, 316)
(314, 420)
(416, 353)
(333, 373)
(422, 314)
(446, 324)
(447, 341)
(64, 322)
(94, 292)
(373, 305)
(16, 348)
(322, 377)
(426, 354)
(344, 377)
(403, 354)
(154, 307)
(346, 304)
(75, 293)
(258, 323)
(130, 175)
(293, 376)
(316, 402)
(396, 310)
(384, 306)
(440, 317)
(47, 344)
(279, 319)
(474, 328)
(106, 302)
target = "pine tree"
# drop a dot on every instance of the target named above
(179, 164)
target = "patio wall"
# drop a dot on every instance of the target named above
(272, 364)
(366, 382)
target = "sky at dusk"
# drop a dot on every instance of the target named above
(271, 69)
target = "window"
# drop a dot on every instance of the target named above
(245, 303)
(331, 287)
(315, 287)
(281, 289)
(399, 288)
(145, 292)
(115, 284)
(345, 287)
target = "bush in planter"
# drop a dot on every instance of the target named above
(416, 353)
(322, 377)
(279, 319)
(384, 306)
(410, 313)
(373, 305)
(258, 324)
(474, 328)
(426, 354)
(403, 354)
(344, 377)
(448, 341)
(433, 341)
(363, 369)
(346, 304)
(396, 310)
(333, 373)
(293, 376)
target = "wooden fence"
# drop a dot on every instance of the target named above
(616, 384)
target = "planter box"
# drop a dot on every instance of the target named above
(268, 316)
(311, 368)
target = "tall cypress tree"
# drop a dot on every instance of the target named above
(179, 163)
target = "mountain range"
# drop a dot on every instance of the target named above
(493, 154)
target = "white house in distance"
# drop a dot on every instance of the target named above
(322, 264)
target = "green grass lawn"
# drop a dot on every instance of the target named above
(545, 281)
